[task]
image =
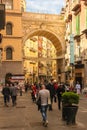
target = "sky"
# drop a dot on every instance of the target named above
(45, 6)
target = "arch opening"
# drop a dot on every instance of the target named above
(50, 36)
(39, 66)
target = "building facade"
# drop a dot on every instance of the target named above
(19, 30)
(12, 39)
(38, 62)
(76, 38)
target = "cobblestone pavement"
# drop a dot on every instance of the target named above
(25, 116)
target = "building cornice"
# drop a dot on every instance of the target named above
(13, 12)
(12, 37)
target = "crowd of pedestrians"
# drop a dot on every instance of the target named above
(50, 92)
(45, 92)
(9, 92)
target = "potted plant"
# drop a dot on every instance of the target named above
(70, 101)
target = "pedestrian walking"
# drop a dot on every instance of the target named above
(13, 91)
(44, 95)
(33, 92)
(20, 90)
(26, 87)
(78, 88)
(50, 87)
(59, 92)
(6, 94)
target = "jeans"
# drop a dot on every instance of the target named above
(59, 103)
(6, 99)
(44, 112)
(13, 100)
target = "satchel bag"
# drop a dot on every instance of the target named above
(38, 102)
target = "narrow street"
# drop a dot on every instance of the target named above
(25, 116)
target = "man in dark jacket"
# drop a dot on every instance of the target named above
(6, 93)
(60, 91)
(51, 89)
(13, 91)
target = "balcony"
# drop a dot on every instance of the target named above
(76, 7)
(79, 66)
(69, 17)
(34, 39)
(85, 2)
(32, 49)
(40, 65)
(67, 3)
(77, 38)
(32, 62)
(85, 32)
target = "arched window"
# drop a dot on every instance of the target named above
(22, 9)
(9, 29)
(9, 53)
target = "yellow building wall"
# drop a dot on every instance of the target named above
(14, 41)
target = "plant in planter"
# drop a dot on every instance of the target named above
(70, 101)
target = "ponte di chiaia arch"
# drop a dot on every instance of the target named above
(51, 27)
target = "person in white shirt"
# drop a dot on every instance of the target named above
(44, 94)
(78, 88)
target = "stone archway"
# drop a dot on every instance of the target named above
(50, 26)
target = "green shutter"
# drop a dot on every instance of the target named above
(78, 24)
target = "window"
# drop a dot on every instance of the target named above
(8, 4)
(22, 9)
(9, 53)
(9, 29)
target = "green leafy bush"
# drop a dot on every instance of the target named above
(70, 98)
